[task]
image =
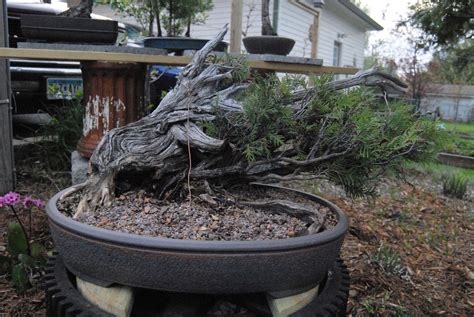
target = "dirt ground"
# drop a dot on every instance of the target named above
(409, 252)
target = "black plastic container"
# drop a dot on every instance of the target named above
(67, 29)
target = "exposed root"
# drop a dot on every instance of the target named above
(100, 192)
(291, 208)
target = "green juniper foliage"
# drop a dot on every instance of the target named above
(353, 135)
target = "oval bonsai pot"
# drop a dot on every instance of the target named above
(211, 267)
(268, 44)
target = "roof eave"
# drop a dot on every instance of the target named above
(361, 14)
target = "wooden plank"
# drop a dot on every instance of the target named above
(236, 26)
(73, 55)
(162, 60)
(302, 68)
(6, 146)
(314, 35)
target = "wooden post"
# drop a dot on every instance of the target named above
(314, 33)
(6, 147)
(236, 26)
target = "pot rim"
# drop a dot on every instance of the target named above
(259, 37)
(158, 243)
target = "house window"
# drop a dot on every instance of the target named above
(336, 54)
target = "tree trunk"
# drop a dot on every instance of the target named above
(267, 28)
(170, 20)
(150, 25)
(158, 20)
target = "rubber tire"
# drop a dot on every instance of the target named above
(62, 298)
(331, 300)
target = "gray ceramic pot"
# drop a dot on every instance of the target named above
(211, 267)
(268, 44)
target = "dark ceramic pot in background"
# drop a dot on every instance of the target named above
(268, 44)
(179, 44)
(209, 267)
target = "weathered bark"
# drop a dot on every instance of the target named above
(170, 137)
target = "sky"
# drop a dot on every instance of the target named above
(387, 13)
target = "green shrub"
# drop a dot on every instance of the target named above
(62, 135)
(455, 185)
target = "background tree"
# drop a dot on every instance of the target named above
(444, 21)
(453, 65)
(178, 15)
(173, 17)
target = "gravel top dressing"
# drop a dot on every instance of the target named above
(208, 217)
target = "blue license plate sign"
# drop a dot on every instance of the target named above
(63, 88)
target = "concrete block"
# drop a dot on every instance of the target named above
(79, 168)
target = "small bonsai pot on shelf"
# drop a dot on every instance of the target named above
(269, 42)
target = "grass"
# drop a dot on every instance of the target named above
(466, 128)
(388, 260)
(438, 169)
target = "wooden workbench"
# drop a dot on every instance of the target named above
(286, 64)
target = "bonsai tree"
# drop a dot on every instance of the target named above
(217, 129)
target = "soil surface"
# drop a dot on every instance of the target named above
(216, 217)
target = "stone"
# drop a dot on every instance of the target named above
(79, 167)
(285, 306)
(116, 300)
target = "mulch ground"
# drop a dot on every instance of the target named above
(409, 252)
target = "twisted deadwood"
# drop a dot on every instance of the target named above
(159, 142)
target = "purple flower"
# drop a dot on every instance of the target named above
(38, 203)
(2, 201)
(11, 198)
(27, 201)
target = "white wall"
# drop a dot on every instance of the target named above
(220, 15)
(451, 107)
(333, 22)
(295, 22)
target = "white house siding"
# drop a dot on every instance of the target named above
(220, 15)
(334, 21)
(295, 22)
